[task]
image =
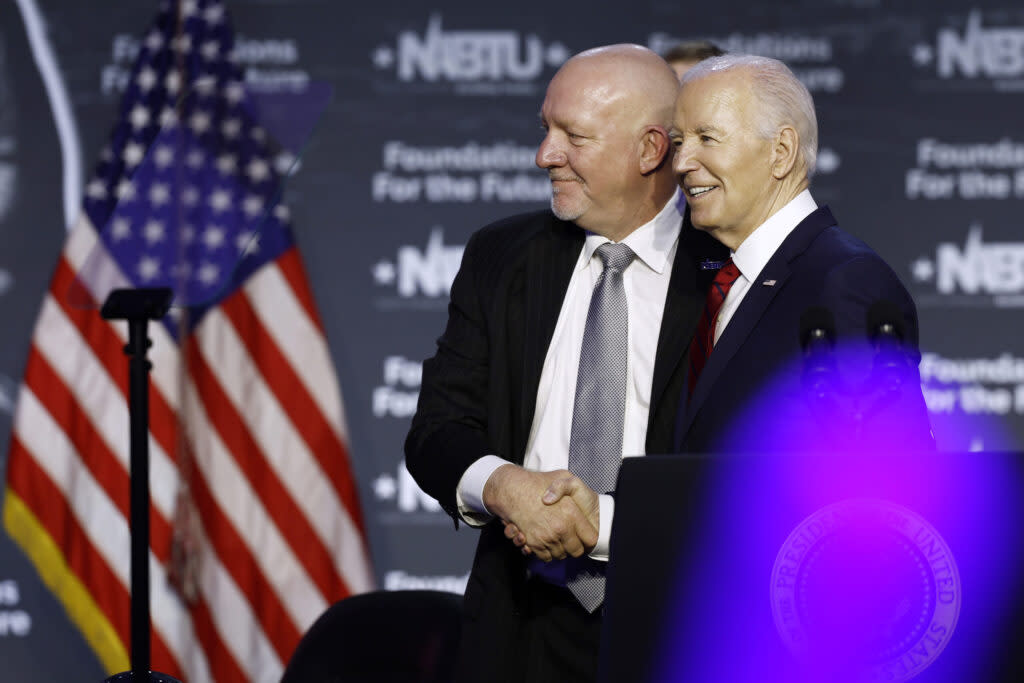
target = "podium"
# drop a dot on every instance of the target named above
(800, 568)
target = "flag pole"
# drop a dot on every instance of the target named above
(138, 307)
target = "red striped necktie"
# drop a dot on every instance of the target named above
(704, 339)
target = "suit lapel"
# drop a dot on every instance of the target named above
(754, 305)
(547, 270)
(683, 305)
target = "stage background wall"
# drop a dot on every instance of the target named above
(919, 104)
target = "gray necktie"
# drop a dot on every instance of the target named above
(595, 443)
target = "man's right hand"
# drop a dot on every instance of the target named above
(552, 531)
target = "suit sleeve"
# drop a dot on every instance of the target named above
(449, 429)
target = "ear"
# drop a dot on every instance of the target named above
(654, 148)
(786, 150)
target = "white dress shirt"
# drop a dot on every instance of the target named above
(755, 252)
(645, 281)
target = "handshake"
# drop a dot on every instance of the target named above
(550, 515)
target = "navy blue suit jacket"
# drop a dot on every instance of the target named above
(750, 396)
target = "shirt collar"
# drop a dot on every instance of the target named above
(758, 248)
(652, 242)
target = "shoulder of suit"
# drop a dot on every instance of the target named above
(514, 232)
(532, 221)
(842, 257)
(843, 246)
(497, 247)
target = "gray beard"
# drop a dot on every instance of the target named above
(564, 214)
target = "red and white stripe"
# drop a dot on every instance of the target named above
(253, 397)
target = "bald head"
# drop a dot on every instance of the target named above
(630, 78)
(607, 113)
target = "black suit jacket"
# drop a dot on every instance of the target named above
(478, 391)
(750, 395)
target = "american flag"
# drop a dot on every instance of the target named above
(255, 523)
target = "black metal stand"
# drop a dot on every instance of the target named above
(138, 307)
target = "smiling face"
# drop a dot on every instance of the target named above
(590, 149)
(722, 161)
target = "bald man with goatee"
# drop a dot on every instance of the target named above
(505, 434)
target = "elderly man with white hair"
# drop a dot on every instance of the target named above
(745, 137)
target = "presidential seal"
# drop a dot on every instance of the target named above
(865, 590)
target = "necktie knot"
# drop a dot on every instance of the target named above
(615, 257)
(727, 275)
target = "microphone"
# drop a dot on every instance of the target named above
(885, 323)
(886, 332)
(817, 329)
(817, 339)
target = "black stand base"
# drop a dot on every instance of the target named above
(148, 677)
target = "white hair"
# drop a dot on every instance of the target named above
(782, 97)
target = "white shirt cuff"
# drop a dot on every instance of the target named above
(469, 494)
(604, 533)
